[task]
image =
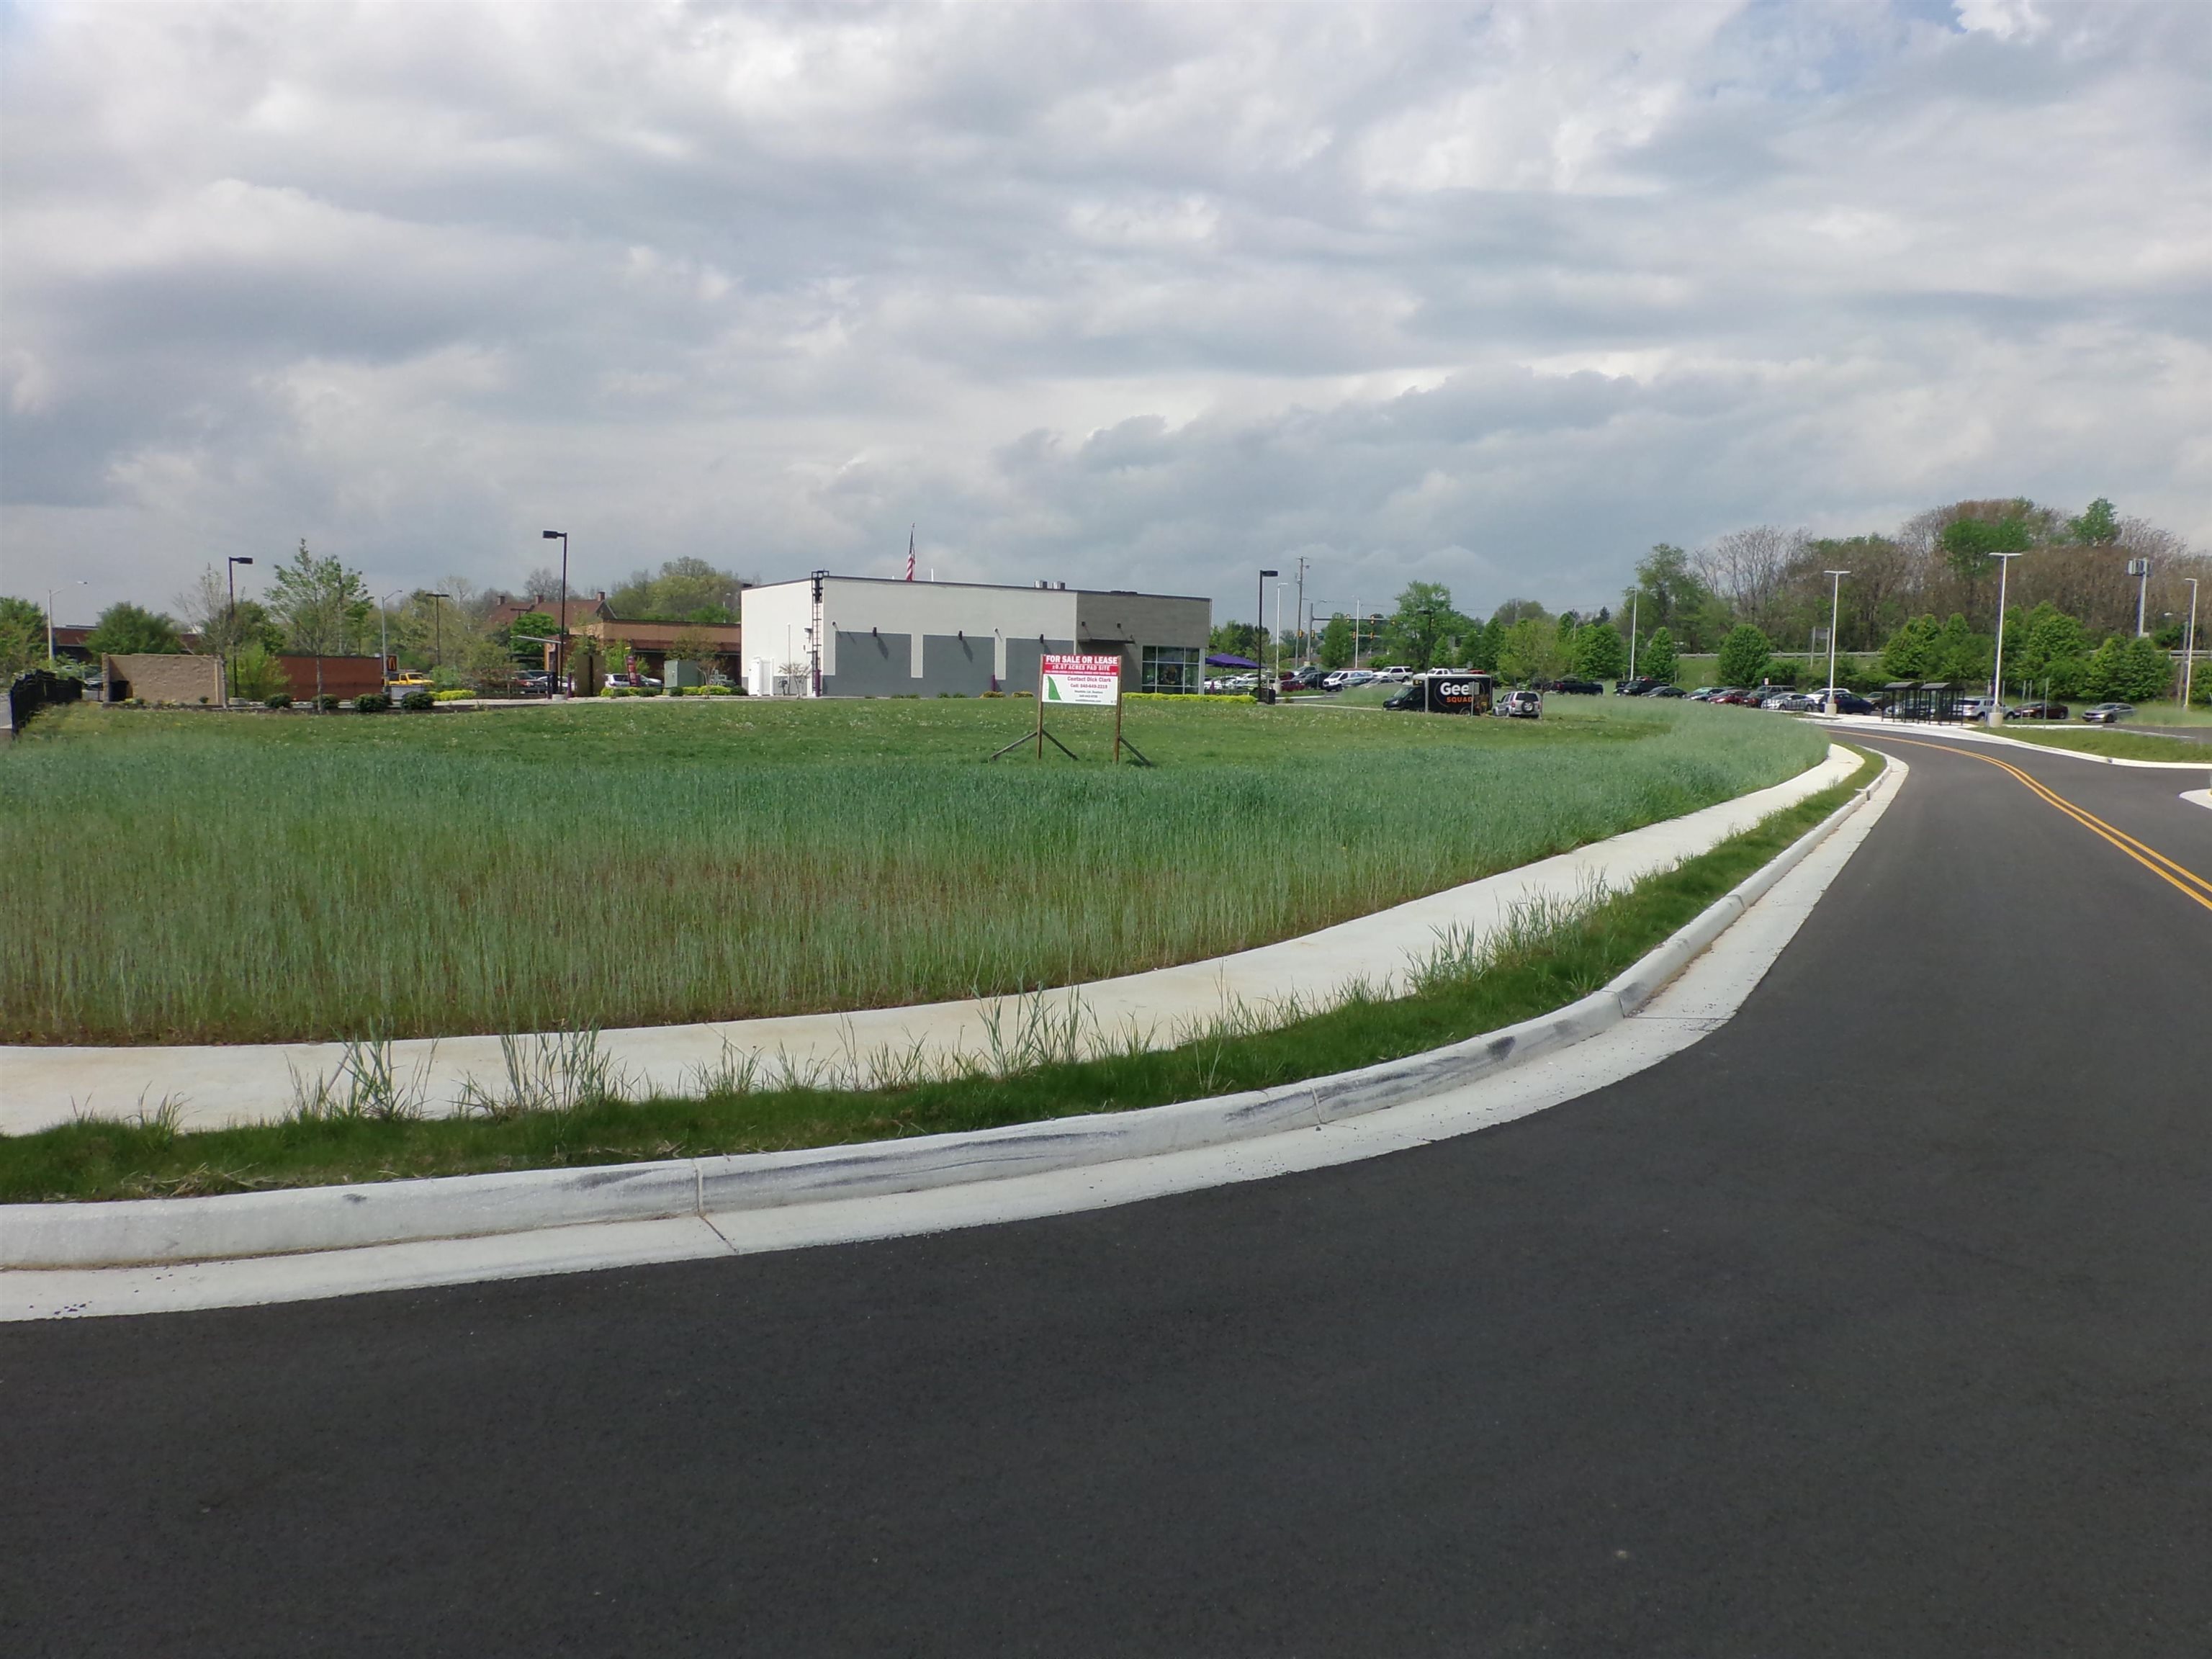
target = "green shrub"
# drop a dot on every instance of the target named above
(721, 691)
(371, 703)
(417, 701)
(281, 700)
(1745, 656)
(328, 702)
(459, 694)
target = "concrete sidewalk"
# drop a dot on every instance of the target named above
(213, 1085)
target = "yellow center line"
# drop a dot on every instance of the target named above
(2175, 875)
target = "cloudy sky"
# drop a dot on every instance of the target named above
(1122, 296)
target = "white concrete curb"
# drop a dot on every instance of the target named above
(320, 1219)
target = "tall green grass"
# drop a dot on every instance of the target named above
(206, 877)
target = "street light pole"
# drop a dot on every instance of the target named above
(1835, 610)
(1635, 602)
(2140, 570)
(1279, 586)
(230, 645)
(1997, 677)
(2189, 649)
(1260, 614)
(384, 636)
(560, 644)
(50, 618)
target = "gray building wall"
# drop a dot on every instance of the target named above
(872, 666)
(1127, 622)
(951, 663)
(1022, 656)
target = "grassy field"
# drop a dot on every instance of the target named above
(1542, 968)
(183, 876)
(2116, 741)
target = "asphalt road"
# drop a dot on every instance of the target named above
(1878, 1323)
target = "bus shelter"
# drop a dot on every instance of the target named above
(1920, 699)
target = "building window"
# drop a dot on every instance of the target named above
(1171, 668)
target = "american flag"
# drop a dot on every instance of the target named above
(910, 552)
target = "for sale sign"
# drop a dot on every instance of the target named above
(1095, 681)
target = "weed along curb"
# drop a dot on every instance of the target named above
(160, 1231)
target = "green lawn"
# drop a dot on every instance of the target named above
(190, 877)
(1543, 969)
(2116, 741)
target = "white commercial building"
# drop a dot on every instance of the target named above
(862, 636)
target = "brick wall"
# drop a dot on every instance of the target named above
(343, 677)
(154, 679)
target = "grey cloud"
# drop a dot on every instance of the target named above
(1167, 291)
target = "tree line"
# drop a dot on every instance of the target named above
(317, 604)
(1760, 600)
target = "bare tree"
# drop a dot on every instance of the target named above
(1750, 568)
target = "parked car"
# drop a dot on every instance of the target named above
(1522, 705)
(2041, 710)
(633, 681)
(1706, 693)
(1303, 679)
(1641, 687)
(1397, 673)
(2108, 714)
(1735, 698)
(1666, 692)
(400, 684)
(1973, 709)
(1581, 687)
(1849, 703)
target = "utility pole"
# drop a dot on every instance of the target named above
(2140, 570)
(1301, 612)
(438, 623)
(1633, 600)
